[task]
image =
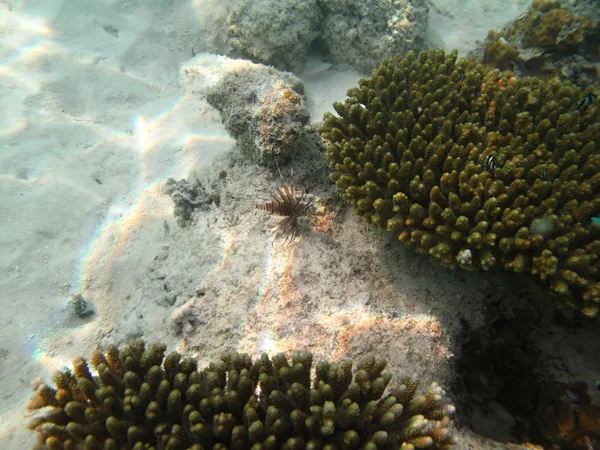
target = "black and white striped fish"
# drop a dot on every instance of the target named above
(585, 102)
(490, 162)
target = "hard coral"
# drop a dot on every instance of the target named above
(142, 400)
(452, 157)
(499, 51)
(552, 38)
(554, 28)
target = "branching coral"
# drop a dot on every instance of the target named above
(452, 157)
(143, 400)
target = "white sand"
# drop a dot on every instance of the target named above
(92, 125)
(461, 23)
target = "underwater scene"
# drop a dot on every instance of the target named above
(300, 224)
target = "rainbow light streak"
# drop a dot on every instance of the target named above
(14, 128)
(349, 323)
(20, 76)
(143, 135)
(279, 322)
(109, 240)
(198, 151)
(25, 38)
(272, 298)
(52, 360)
(228, 240)
(329, 334)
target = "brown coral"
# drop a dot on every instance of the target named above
(555, 28)
(143, 400)
(454, 158)
(566, 416)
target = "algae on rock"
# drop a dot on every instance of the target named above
(363, 32)
(264, 110)
(281, 33)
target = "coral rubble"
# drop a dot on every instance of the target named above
(280, 33)
(142, 399)
(188, 196)
(462, 162)
(361, 33)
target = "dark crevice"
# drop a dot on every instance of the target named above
(505, 389)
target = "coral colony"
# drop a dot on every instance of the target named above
(144, 400)
(460, 161)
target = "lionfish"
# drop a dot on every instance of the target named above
(291, 206)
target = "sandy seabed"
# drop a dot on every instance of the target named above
(94, 120)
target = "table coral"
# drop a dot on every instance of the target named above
(142, 399)
(453, 157)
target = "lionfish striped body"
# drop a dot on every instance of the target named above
(291, 207)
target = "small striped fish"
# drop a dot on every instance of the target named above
(585, 102)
